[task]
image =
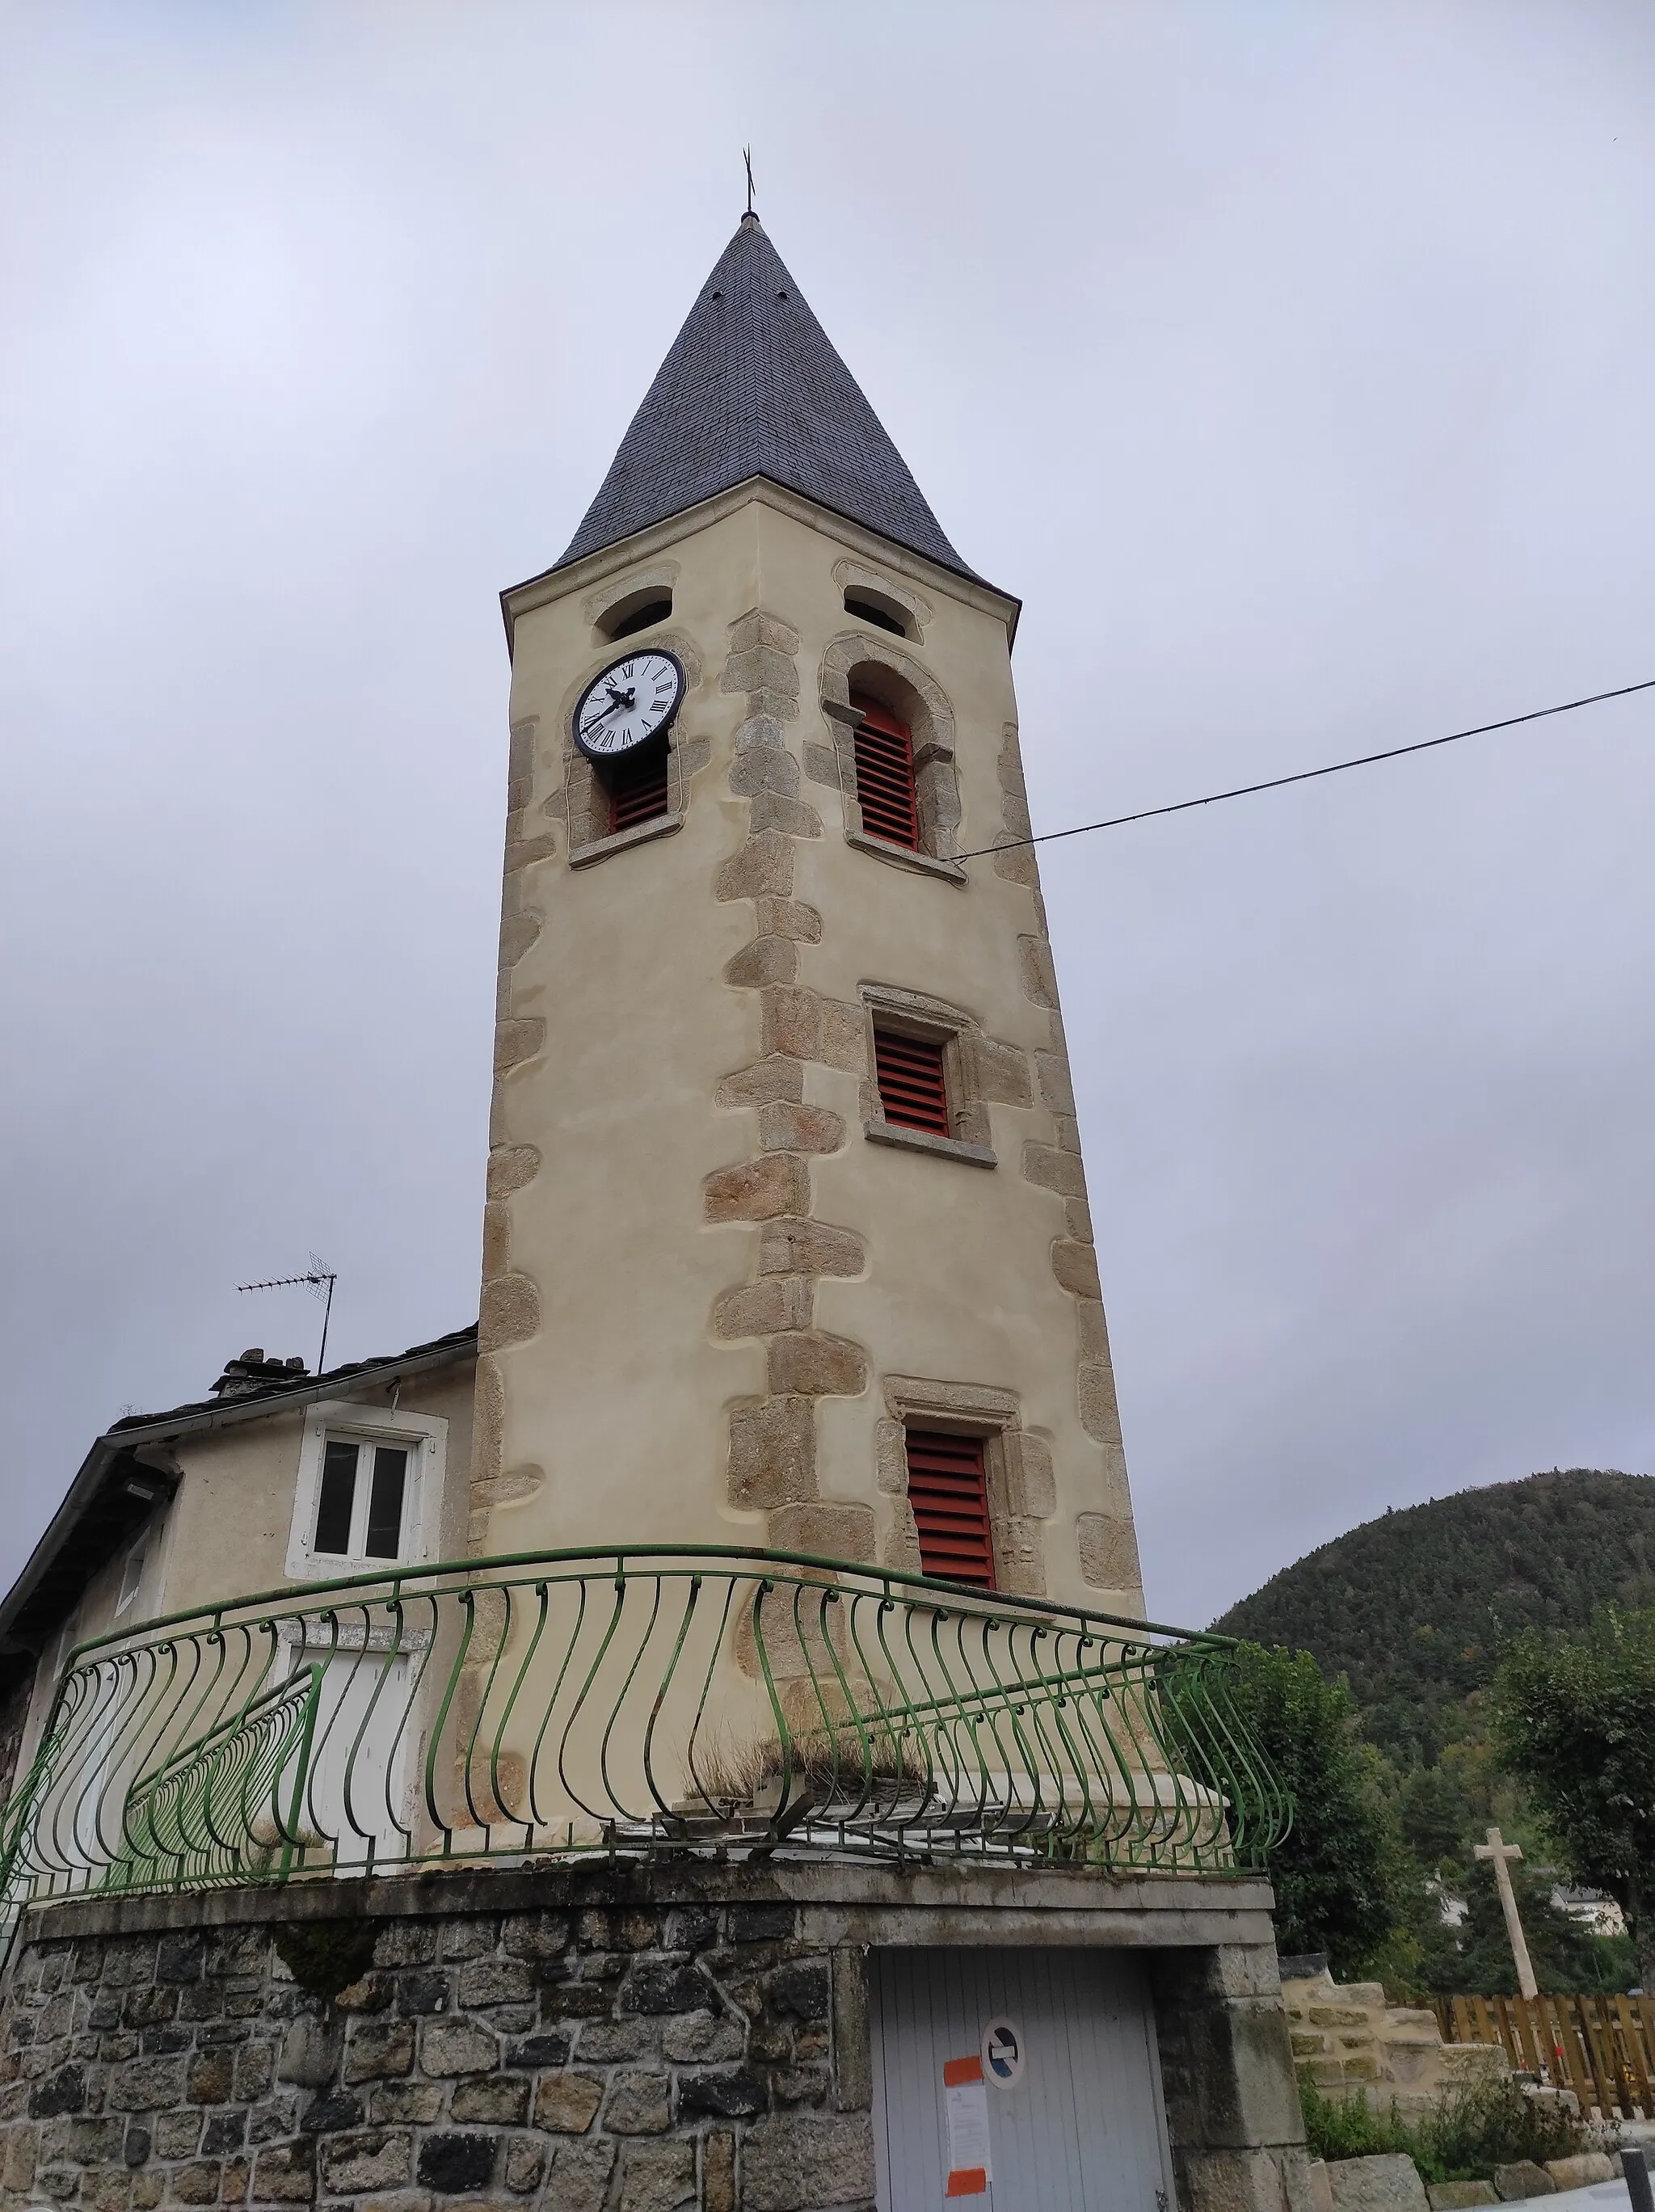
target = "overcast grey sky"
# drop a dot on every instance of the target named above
(1293, 362)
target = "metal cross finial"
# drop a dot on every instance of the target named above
(1502, 1854)
(747, 156)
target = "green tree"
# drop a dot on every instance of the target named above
(1336, 1875)
(1436, 1814)
(1428, 1956)
(1413, 1607)
(1575, 1718)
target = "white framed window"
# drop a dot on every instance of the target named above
(369, 1492)
(132, 1576)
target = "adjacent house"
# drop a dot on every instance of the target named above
(277, 1477)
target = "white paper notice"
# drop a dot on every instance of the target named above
(966, 2102)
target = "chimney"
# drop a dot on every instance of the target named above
(252, 1371)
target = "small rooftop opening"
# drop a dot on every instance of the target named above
(639, 611)
(870, 607)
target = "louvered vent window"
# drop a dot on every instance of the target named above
(912, 1086)
(948, 1493)
(637, 785)
(884, 775)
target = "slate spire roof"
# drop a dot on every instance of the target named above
(753, 388)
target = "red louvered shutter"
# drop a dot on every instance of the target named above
(636, 786)
(948, 1493)
(912, 1090)
(884, 775)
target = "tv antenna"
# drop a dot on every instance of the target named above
(319, 1280)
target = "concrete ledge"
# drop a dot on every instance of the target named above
(903, 856)
(601, 849)
(923, 1140)
(844, 1902)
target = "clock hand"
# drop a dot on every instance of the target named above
(626, 699)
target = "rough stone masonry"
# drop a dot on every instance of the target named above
(679, 2035)
(631, 2058)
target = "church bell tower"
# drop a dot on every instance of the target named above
(783, 1807)
(786, 1241)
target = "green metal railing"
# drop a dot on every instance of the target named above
(632, 1701)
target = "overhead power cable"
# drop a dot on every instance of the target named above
(1306, 775)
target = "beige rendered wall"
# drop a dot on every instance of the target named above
(233, 1513)
(708, 1299)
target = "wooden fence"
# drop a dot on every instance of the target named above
(1603, 2048)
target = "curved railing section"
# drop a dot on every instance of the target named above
(634, 1701)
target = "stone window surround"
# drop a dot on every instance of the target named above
(875, 663)
(904, 856)
(582, 791)
(599, 608)
(425, 1438)
(1016, 1465)
(923, 1140)
(912, 1013)
(622, 841)
(881, 589)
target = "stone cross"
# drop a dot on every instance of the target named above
(1502, 1854)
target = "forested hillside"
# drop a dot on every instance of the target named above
(1412, 1606)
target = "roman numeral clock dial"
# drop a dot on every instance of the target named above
(630, 702)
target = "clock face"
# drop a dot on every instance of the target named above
(633, 701)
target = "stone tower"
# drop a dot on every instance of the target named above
(785, 1172)
(654, 1868)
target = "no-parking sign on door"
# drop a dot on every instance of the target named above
(1003, 2053)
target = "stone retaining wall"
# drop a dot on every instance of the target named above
(1346, 2037)
(682, 2057)
(685, 2036)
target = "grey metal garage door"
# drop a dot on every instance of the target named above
(1082, 2128)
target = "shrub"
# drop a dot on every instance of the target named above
(1349, 2129)
(1489, 2124)
(1467, 2134)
